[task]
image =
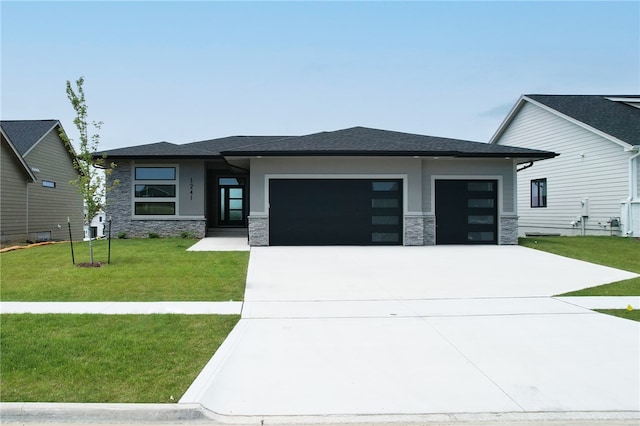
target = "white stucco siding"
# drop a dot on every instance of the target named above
(335, 167)
(192, 188)
(589, 167)
(499, 169)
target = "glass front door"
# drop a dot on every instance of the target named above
(231, 202)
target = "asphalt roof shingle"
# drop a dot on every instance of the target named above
(25, 133)
(614, 118)
(355, 141)
(367, 141)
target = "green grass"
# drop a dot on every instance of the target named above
(140, 270)
(621, 253)
(106, 358)
(622, 313)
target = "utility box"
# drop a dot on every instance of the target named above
(584, 207)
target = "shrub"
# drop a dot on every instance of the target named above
(122, 235)
(187, 235)
(153, 235)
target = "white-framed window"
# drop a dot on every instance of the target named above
(155, 190)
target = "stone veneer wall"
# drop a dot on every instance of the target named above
(258, 230)
(413, 230)
(419, 230)
(119, 210)
(429, 236)
(508, 230)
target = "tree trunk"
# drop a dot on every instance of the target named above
(90, 244)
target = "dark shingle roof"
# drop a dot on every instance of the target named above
(155, 150)
(25, 133)
(363, 141)
(356, 141)
(202, 149)
(614, 118)
(218, 146)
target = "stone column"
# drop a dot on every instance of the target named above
(413, 230)
(258, 230)
(508, 230)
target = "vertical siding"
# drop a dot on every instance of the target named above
(589, 166)
(50, 207)
(13, 196)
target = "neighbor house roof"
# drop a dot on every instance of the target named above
(355, 141)
(14, 151)
(25, 134)
(616, 117)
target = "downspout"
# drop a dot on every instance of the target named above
(526, 166)
(633, 190)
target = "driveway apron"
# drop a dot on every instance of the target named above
(420, 330)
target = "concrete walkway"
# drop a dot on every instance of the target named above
(377, 331)
(122, 308)
(221, 244)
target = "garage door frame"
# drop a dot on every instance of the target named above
(403, 177)
(499, 194)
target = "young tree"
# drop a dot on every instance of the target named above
(92, 171)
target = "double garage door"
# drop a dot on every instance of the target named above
(370, 212)
(335, 212)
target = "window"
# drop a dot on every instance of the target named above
(48, 184)
(155, 191)
(155, 173)
(539, 193)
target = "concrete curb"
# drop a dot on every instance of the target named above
(36, 412)
(89, 413)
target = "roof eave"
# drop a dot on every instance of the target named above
(57, 123)
(156, 157)
(452, 154)
(579, 123)
(22, 161)
(507, 120)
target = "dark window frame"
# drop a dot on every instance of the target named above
(48, 184)
(538, 196)
(143, 200)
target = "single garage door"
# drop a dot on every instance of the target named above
(466, 211)
(335, 212)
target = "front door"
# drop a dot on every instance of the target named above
(232, 209)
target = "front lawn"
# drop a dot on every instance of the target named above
(155, 269)
(106, 358)
(617, 252)
(633, 315)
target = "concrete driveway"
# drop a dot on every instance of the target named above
(379, 331)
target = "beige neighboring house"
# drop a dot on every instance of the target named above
(36, 196)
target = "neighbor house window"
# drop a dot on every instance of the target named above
(155, 191)
(48, 184)
(539, 193)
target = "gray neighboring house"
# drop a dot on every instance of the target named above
(592, 187)
(36, 197)
(357, 186)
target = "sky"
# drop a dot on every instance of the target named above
(190, 71)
